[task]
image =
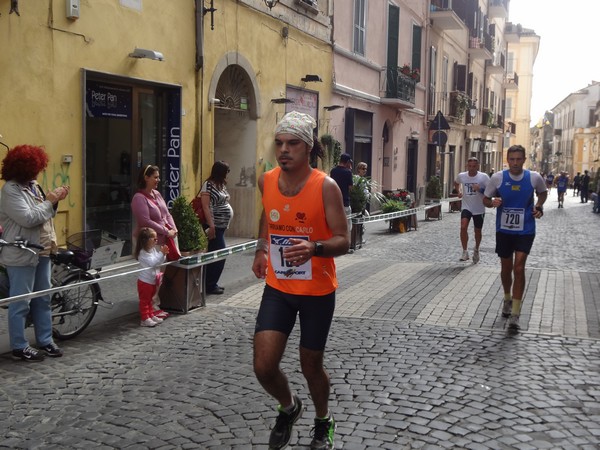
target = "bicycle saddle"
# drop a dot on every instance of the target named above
(63, 256)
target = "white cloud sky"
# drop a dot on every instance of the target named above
(568, 57)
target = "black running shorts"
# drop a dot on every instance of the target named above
(477, 218)
(507, 244)
(278, 312)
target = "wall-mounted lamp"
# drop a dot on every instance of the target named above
(271, 3)
(215, 101)
(473, 109)
(281, 100)
(150, 54)
(311, 78)
(332, 107)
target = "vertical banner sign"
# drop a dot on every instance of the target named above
(173, 135)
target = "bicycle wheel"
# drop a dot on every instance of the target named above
(73, 307)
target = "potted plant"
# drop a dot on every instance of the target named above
(405, 69)
(433, 192)
(415, 74)
(183, 287)
(190, 235)
(397, 201)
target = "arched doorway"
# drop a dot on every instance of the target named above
(235, 134)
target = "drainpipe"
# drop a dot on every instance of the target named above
(196, 157)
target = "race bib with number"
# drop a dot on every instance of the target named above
(284, 270)
(512, 219)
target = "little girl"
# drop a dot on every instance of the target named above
(149, 257)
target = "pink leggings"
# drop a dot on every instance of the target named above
(146, 291)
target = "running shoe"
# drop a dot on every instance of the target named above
(28, 354)
(513, 322)
(282, 431)
(465, 256)
(507, 308)
(475, 256)
(52, 350)
(323, 433)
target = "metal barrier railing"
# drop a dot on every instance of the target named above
(356, 219)
(198, 260)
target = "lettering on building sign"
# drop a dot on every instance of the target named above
(173, 160)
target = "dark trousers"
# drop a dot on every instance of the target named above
(584, 194)
(214, 270)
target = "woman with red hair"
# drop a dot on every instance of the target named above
(26, 211)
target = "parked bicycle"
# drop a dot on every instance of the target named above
(73, 307)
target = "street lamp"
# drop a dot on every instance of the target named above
(473, 110)
(271, 3)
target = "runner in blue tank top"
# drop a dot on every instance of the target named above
(562, 182)
(513, 192)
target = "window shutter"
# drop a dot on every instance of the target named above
(416, 48)
(460, 77)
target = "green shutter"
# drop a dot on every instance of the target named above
(416, 48)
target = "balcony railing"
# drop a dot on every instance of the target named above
(481, 47)
(511, 81)
(449, 14)
(459, 104)
(397, 85)
(498, 9)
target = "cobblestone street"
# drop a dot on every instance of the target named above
(418, 355)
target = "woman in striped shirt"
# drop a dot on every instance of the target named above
(218, 212)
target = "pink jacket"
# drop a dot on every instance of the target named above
(152, 214)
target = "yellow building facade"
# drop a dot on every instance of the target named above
(260, 63)
(125, 83)
(102, 109)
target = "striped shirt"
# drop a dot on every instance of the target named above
(220, 208)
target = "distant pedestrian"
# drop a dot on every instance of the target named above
(576, 183)
(150, 257)
(584, 187)
(342, 174)
(562, 182)
(596, 197)
(302, 228)
(549, 181)
(512, 192)
(470, 186)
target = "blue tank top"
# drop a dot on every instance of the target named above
(515, 216)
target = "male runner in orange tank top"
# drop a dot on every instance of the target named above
(302, 227)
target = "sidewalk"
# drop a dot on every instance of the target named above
(418, 356)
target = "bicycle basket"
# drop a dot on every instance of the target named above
(94, 249)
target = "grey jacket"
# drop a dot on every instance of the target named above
(21, 215)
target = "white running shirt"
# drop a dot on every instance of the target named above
(472, 200)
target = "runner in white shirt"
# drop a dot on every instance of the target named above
(470, 186)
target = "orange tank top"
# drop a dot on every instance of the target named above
(301, 217)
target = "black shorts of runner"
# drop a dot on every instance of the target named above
(507, 244)
(278, 312)
(477, 218)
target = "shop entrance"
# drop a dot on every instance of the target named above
(127, 127)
